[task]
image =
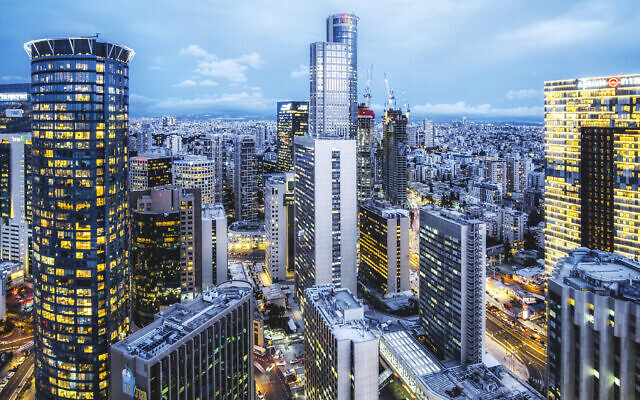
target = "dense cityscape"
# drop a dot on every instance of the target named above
(335, 249)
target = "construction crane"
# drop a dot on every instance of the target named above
(367, 90)
(391, 100)
(406, 104)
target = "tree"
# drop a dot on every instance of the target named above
(507, 251)
(530, 241)
(534, 218)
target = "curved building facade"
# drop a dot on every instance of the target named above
(343, 28)
(80, 96)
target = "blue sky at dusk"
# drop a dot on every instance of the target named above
(480, 58)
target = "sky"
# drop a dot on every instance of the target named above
(473, 58)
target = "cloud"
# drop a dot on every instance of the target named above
(462, 108)
(208, 82)
(250, 99)
(232, 69)
(155, 68)
(523, 94)
(13, 78)
(186, 83)
(303, 70)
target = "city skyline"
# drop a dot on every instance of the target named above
(439, 51)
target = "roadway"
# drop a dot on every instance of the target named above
(18, 379)
(525, 350)
(272, 383)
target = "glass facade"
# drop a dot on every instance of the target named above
(80, 96)
(293, 120)
(343, 28)
(366, 119)
(394, 165)
(15, 108)
(592, 150)
(155, 262)
(329, 90)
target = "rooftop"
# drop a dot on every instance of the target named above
(342, 312)
(213, 211)
(180, 320)
(600, 272)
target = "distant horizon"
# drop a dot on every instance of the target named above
(480, 59)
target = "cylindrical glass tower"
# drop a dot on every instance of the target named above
(80, 96)
(343, 28)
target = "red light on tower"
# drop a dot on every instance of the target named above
(613, 82)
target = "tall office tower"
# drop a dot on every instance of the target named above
(452, 279)
(150, 170)
(144, 139)
(173, 143)
(340, 352)
(366, 118)
(80, 214)
(213, 148)
(343, 28)
(592, 192)
(293, 120)
(201, 349)
(195, 172)
(14, 180)
(15, 173)
(593, 303)
(394, 164)
(155, 251)
(214, 245)
(329, 90)
(245, 179)
(514, 168)
(325, 213)
(384, 247)
(429, 133)
(279, 224)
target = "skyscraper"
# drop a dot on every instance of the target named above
(592, 192)
(195, 172)
(452, 279)
(384, 247)
(213, 147)
(293, 120)
(201, 349)
(15, 173)
(593, 308)
(343, 28)
(340, 352)
(165, 248)
(329, 90)
(80, 96)
(245, 181)
(325, 213)
(394, 164)
(366, 118)
(214, 245)
(279, 224)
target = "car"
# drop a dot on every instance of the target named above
(270, 367)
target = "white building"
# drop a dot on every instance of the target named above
(173, 143)
(325, 213)
(452, 279)
(14, 228)
(340, 352)
(514, 223)
(278, 211)
(593, 303)
(196, 172)
(329, 89)
(214, 245)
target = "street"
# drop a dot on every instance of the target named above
(18, 379)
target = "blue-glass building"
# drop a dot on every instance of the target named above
(80, 97)
(343, 28)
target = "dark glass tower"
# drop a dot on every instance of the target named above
(293, 120)
(80, 96)
(343, 28)
(394, 163)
